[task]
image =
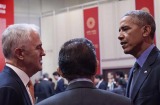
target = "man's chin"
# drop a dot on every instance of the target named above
(126, 52)
(40, 69)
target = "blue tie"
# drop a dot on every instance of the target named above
(134, 77)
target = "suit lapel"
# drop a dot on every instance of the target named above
(129, 82)
(21, 85)
(144, 72)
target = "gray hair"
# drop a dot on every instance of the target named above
(16, 36)
(143, 18)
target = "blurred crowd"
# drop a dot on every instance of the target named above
(45, 87)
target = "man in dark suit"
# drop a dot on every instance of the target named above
(120, 88)
(60, 83)
(78, 63)
(99, 82)
(22, 49)
(120, 75)
(136, 35)
(45, 89)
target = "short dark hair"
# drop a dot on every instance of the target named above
(143, 18)
(77, 59)
(45, 75)
(56, 74)
(98, 76)
(119, 81)
(120, 74)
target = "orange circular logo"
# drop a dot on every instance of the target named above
(91, 22)
(145, 9)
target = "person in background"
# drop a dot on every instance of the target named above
(111, 81)
(120, 75)
(120, 88)
(53, 84)
(36, 88)
(45, 88)
(136, 35)
(23, 52)
(126, 77)
(77, 63)
(60, 83)
(99, 82)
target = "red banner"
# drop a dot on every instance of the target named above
(91, 30)
(146, 5)
(6, 18)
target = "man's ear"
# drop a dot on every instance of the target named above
(60, 71)
(19, 53)
(147, 30)
(97, 63)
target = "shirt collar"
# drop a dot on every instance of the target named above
(144, 55)
(22, 75)
(59, 79)
(45, 79)
(99, 83)
(80, 79)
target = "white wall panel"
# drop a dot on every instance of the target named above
(49, 44)
(157, 19)
(107, 30)
(57, 29)
(61, 28)
(76, 23)
(110, 14)
(122, 7)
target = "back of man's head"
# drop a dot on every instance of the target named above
(56, 74)
(45, 75)
(98, 76)
(77, 59)
(120, 74)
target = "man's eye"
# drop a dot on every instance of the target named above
(125, 28)
(39, 47)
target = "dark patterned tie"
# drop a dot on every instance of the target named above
(134, 77)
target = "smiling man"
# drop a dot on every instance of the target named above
(136, 35)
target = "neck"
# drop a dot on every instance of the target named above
(18, 65)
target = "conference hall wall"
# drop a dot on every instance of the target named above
(60, 26)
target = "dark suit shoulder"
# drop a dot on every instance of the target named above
(12, 88)
(10, 96)
(86, 96)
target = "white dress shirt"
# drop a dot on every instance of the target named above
(23, 76)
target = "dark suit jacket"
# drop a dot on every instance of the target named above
(147, 88)
(12, 90)
(85, 93)
(44, 90)
(119, 90)
(60, 86)
(103, 85)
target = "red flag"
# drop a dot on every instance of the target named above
(91, 30)
(6, 18)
